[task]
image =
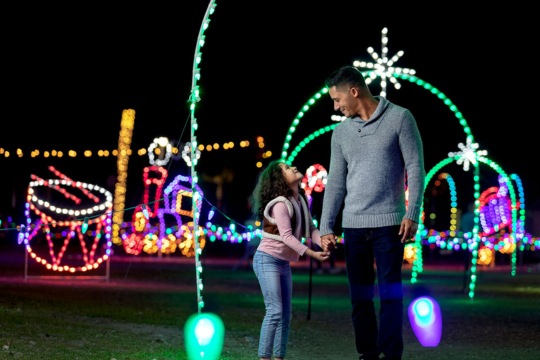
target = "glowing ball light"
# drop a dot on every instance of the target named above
(203, 336)
(426, 320)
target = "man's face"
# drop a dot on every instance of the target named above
(342, 100)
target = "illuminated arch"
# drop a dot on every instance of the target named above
(418, 264)
(289, 157)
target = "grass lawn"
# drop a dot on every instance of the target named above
(76, 320)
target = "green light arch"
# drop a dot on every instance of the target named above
(418, 263)
(288, 158)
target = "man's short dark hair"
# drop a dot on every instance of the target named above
(346, 77)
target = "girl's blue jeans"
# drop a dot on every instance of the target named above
(276, 284)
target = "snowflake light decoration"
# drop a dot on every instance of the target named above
(383, 66)
(468, 153)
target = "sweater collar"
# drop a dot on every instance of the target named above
(379, 111)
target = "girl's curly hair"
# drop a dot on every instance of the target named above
(271, 184)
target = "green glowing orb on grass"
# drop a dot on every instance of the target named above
(203, 336)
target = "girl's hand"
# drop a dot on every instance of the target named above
(321, 255)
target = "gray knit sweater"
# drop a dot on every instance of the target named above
(368, 164)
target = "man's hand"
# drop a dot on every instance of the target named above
(408, 229)
(328, 242)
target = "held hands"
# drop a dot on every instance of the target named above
(321, 255)
(328, 242)
(408, 229)
(318, 255)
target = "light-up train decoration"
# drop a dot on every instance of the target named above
(506, 236)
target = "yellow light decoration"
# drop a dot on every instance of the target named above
(59, 154)
(19, 153)
(261, 145)
(231, 145)
(410, 254)
(46, 154)
(216, 146)
(179, 204)
(106, 153)
(259, 164)
(87, 153)
(226, 146)
(485, 256)
(1, 151)
(208, 147)
(201, 147)
(124, 140)
(53, 153)
(157, 151)
(6, 154)
(508, 248)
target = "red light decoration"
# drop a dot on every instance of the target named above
(315, 179)
(44, 222)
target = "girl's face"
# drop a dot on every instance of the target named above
(291, 174)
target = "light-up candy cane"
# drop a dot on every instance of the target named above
(314, 180)
(41, 208)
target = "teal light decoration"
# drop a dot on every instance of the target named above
(84, 226)
(203, 335)
(194, 99)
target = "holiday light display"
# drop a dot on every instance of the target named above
(194, 99)
(485, 256)
(315, 179)
(160, 144)
(383, 66)
(47, 215)
(124, 141)
(468, 154)
(426, 320)
(141, 152)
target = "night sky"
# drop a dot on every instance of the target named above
(69, 73)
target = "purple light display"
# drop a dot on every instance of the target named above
(426, 320)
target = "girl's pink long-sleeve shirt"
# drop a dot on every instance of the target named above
(291, 248)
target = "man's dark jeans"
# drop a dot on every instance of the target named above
(361, 246)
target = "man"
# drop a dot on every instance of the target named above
(372, 152)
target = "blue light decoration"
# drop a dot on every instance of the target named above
(22, 235)
(145, 212)
(203, 335)
(426, 320)
(211, 213)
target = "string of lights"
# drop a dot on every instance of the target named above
(194, 99)
(106, 153)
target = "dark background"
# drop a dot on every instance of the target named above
(69, 73)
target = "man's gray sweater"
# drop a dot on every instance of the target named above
(368, 164)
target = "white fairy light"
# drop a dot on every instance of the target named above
(384, 65)
(468, 154)
(162, 142)
(186, 154)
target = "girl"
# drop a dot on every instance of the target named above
(281, 204)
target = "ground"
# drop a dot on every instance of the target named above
(52, 319)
